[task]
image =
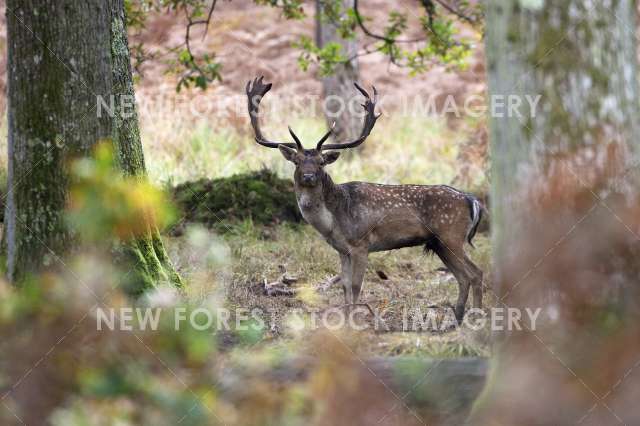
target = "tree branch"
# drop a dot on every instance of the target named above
(368, 32)
(187, 39)
(456, 12)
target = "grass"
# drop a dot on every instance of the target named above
(255, 254)
(400, 150)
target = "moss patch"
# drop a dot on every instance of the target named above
(259, 196)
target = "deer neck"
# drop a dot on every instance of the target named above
(317, 204)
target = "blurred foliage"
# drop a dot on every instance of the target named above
(194, 69)
(326, 57)
(291, 9)
(103, 203)
(439, 41)
(102, 376)
(197, 70)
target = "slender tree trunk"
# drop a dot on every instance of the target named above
(565, 211)
(63, 55)
(148, 254)
(338, 90)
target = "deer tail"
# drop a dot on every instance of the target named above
(476, 209)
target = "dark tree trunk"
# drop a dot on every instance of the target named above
(58, 58)
(565, 217)
(338, 90)
(63, 56)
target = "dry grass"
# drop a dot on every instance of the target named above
(401, 150)
(256, 255)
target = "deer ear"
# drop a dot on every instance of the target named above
(288, 153)
(330, 157)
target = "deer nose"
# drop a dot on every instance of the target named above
(309, 177)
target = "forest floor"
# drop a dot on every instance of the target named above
(401, 286)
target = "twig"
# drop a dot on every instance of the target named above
(368, 32)
(456, 12)
(192, 23)
(280, 287)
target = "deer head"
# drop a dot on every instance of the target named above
(309, 162)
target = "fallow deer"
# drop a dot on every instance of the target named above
(358, 218)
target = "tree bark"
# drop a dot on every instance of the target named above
(337, 89)
(151, 263)
(565, 211)
(63, 56)
(56, 69)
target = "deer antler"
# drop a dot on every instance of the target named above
(325, 137)
(369, 121)
(256, 89)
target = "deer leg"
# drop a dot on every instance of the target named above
(358, 268)
(454, 261)
(345, 278)
(476, 283)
